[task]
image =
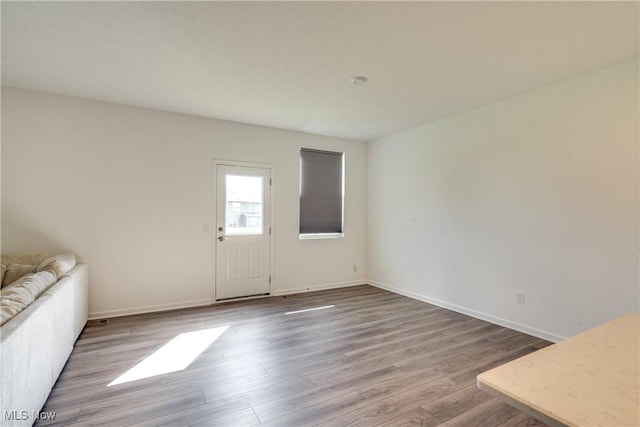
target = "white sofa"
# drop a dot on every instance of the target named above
(36, 343)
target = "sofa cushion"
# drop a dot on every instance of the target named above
(58, 265)
(15, 297)
(16, 271)
(35, 283)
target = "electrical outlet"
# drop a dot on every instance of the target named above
(520, 298)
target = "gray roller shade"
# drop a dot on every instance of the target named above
(320, 191)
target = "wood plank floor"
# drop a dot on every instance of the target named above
(374, 358)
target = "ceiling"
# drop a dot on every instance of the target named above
(289, 64)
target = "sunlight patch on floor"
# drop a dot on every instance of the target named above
(310, 309)
(174, 356)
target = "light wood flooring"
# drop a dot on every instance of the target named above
(375, 358)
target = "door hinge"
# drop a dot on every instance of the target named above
(269, 230)
(270, 181)
(269, 279)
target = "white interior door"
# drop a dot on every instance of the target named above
(243, 231)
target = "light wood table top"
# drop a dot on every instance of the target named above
(591, 379)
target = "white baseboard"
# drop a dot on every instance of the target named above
(148, 309)
(206, 301)
(545, 335)
(318, 287)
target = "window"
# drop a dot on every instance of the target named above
(244, 205)
(321, 193)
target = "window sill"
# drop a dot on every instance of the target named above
(316, 236)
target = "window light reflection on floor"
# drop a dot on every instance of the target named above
(310, 309)
(174, 356)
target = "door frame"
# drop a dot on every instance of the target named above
(213, 229)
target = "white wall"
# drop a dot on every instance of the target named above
(128, 190)
(535, 194)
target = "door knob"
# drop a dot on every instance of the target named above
(221, 238)
(220, 228)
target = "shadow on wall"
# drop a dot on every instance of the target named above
(19, 235)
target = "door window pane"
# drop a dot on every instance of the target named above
(244, 205)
